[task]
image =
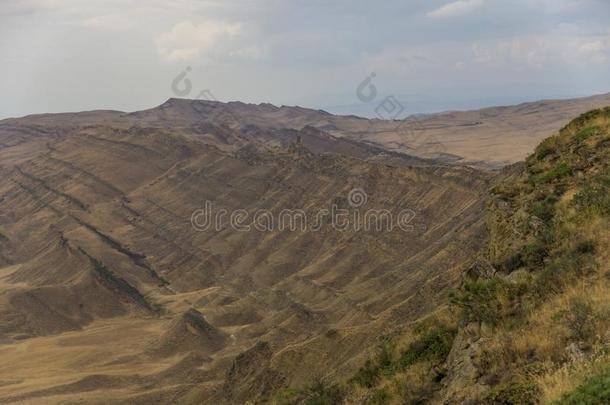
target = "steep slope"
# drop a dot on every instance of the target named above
(103, 278)
(530, 323)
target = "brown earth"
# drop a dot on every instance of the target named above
(108, 292)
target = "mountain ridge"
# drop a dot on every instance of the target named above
(481, 138)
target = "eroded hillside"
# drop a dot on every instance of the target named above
(107, 290)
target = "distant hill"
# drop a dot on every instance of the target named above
(487, 138)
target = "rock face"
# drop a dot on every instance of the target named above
(481, 268)
(461, 385)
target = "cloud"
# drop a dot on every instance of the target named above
(112, 22)
(186, 41)
(560, 48)
(594, 46)
(456, 8)
(518, 53)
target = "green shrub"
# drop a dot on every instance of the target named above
(433, 343)
(546, 148)
(533, 255)
(543, 211)
(382, 364)
(368, 375)
(514, 393)
(478, 301)
(323, 394)
(559, 171)
(512, 263)
(544, 151)
(490, 301)
(585, 133)
(595, 390)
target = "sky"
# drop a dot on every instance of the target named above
(344, 56)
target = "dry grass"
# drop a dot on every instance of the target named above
(566, 378)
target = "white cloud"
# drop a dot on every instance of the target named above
(456, 8)
(187, 41)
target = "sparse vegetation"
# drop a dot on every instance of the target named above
(580, 319)
(585, 133)
(557, 172)
(543, 316)
(595, 390)
(513, 393)
(318, 393)
(432, 344)
(410, 373)
(490, 301)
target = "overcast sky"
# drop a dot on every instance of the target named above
(70, 55)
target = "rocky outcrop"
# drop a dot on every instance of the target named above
(461, 385)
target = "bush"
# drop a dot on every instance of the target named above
(544, 151)
(490, 301)
(543, 211)
(512, 263)
(322, 394)
(595, 390)
(557, 172)
(585, 133)
(381, 364)
(368, 375)
(514, 393)
(533, 255)
(546, 148)
(433, 343)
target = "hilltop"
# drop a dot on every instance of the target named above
(488, 138)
